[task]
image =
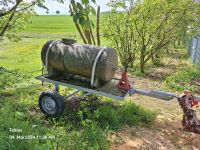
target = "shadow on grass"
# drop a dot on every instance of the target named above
(108, 114)
(84, 127)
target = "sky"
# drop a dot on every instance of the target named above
(64, 8)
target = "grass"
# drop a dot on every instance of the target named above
(185, 79)
(81, 129)
(60, 24)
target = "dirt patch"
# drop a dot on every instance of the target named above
(161, 136)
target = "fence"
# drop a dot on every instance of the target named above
(194, 50)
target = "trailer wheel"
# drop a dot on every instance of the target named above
(51, 103)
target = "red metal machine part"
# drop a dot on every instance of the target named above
(190, 121)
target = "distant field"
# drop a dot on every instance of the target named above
(51, 24)
(59, 24)
(54, 27)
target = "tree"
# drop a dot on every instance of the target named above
(120, 30)
(189, 26)
(57, 12)
(15, 14)
(154, 24)
(47, 12)
(13, 19)
(81, 11)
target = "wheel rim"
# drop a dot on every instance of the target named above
(49, 105)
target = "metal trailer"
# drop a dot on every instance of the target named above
(52, 103)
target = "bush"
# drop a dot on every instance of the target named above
(184, 79)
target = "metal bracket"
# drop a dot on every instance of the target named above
(57, 87)
(70, 95)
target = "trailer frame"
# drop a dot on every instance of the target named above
(89, 91)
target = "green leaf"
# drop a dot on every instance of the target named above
(86, 2)
(92, 24)
(80, 7)
(81, 20)
(93, 11)
(87, 10)
(75, 19)
(70, 10)
(72, 2)
(60, 1)
(78, 15)
(94, 1)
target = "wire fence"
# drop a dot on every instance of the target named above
(194, 50)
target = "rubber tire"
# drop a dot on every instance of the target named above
(58, 99)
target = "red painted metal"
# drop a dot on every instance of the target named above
(123, 84)
(190, 121)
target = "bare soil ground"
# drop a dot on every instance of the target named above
(166, 133)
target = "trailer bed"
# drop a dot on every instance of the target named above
(108, 89)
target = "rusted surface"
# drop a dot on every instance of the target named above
(190, 121)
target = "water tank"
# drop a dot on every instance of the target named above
(70, 57)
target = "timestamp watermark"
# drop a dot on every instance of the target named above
(17, 134)
(32, 137)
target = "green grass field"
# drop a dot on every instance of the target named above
(81, 129)
(52, 24)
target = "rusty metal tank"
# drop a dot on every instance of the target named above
(78, 59)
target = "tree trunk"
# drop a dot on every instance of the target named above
(93, 40)
(98, 34)
(174, 43)
(142, 62)
(87, 33)
(179, 42)
(131, 64)
(8, 22)
(80, 32)
(167, 50)
(152, 57)
(142, 65)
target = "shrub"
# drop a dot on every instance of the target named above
(184, 79)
